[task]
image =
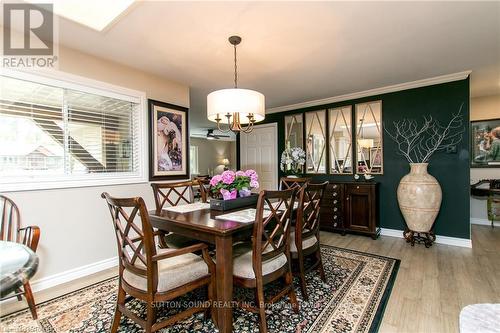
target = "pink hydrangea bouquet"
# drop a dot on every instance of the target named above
(230, 184)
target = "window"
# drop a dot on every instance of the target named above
(193, 160)
(56, 133)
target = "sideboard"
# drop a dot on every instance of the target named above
(350, 207)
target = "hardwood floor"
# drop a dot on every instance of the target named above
(431, 288)
(434, 284)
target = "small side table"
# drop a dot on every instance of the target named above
(18, 264)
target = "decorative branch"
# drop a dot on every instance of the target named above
(417, 143)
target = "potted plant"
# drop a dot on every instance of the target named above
(292, 160)
(232, 189)
(419, 193)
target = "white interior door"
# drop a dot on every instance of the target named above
(259, 151)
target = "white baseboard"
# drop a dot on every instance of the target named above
(73, 274)
(475, 220)
(462, 242)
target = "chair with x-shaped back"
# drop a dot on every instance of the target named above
(305, 235)
(268, 257)
(173, 194)
(154, 275)
(204, 185)
(290, 182)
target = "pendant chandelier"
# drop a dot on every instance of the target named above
(235, 106)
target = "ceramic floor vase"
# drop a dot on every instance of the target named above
(419, 198)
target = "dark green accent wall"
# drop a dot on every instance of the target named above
(451, 170)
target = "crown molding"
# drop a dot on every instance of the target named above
(377, 91)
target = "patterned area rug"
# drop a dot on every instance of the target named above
(352, 300)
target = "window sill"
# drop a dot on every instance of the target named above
(37, 185)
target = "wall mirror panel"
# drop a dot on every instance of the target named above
(340, 140)
(294, 129)
(315, 141)
(369, 147)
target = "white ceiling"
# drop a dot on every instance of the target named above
(299, 51)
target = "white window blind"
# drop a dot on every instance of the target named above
(54, 133)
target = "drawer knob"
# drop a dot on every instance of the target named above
(334, 194)
(334, 201)
(335, 209)
(334, 186)
(357, 187)
(335, 217)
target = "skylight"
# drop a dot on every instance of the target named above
(95, 14)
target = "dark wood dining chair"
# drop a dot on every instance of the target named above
(267, 258)
(173, 194)
(204, 185)
(305, 234)
(289, 182)
(11, 230)
(150, 274)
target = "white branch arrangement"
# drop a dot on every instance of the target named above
(418, 142)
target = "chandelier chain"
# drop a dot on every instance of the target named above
(235, 69)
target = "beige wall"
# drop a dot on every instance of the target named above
(211, 153)
(487, 107)
(155, 87)
(75, 224)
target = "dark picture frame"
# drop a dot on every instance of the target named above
(482, 143)
(168, 141)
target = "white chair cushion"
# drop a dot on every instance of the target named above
(306, 242)
(172, 272)
(242, 262)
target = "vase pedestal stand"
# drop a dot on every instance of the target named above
(427, 238)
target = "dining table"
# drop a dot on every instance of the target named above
(203, 225)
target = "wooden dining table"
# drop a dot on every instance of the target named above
(202, 225)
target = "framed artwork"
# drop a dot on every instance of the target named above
(485, 141)
(168, 141)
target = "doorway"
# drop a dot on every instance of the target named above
(259, 151)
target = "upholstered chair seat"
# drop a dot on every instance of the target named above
(242, 263)
(176, 241)
(306, 242)
(172, 272)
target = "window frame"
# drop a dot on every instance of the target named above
(70, 81)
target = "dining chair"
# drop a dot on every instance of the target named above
(305, 234)
(204, 185)
(154, 275)
(173, 194)
(291, 182)
(11, 230)
(267, 258)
